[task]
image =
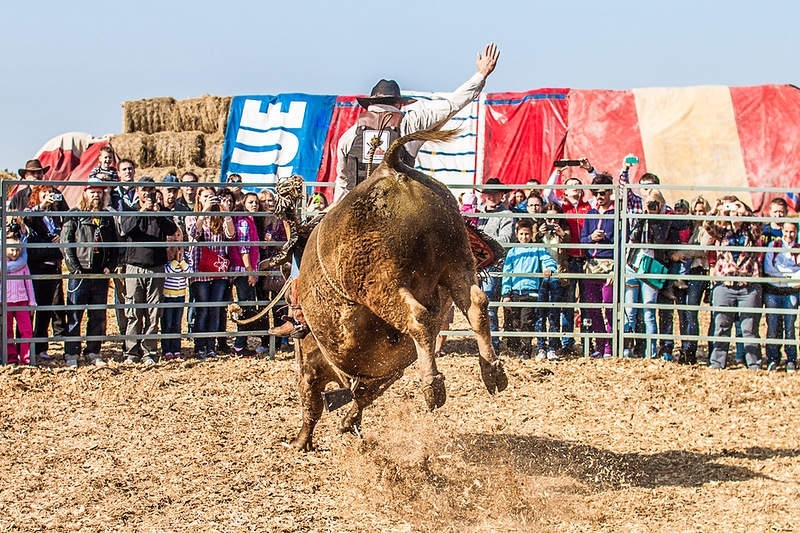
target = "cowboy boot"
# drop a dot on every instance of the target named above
(291, 328)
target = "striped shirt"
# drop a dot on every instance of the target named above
(175, 285)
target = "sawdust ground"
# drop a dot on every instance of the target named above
(575, 445)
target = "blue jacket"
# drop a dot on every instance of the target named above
(525, 261)
(589, 225)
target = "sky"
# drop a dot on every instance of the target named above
(70, 66)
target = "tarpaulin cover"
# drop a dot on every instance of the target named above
(70, 156)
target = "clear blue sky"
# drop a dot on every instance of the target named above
(68, 66)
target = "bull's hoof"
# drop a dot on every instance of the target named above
(351, 423)
(494, 377)
(435, 393)
(302, 445)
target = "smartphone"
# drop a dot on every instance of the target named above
(567, 163)
(631, 160)
(57, 196)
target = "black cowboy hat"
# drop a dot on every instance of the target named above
(384, 92)
(494, 181)
(33, 165)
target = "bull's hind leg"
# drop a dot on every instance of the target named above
(362, 398)
(422, 326)
(314, 375)
(473, 302)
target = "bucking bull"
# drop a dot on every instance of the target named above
(378, 274)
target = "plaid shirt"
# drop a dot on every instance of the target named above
(734, 263)
(203, 234)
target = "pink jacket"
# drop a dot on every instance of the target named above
(20, 290)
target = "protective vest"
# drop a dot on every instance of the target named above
(367, 127)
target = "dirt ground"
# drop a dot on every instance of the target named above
(575, 445)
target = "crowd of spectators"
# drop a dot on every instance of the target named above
(701, 260)
(177, 252)
(148, 242)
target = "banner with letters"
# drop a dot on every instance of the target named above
(275, 136)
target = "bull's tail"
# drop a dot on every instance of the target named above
(435, 133)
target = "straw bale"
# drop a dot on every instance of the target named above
(214, 143)
(137, 147)
(204, 175)
(184, 148)
(150, 115)
(208, 114)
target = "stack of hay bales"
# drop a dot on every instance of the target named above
(164, 135)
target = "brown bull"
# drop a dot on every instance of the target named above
(376, 278)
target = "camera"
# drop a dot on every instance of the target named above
(57, 196)
(730, 207)
(550, 227)
(567, 163)
(215, 199)
(149, 195)
(653, 205)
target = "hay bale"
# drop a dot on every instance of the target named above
(150, 115)
(208, 114)
(137, 147)
(181, 149)
(214, 143)
(204, 175)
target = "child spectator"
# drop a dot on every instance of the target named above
(778, 208)
(469, 204)
(682, 231)
(552, 232)
(782, 261)
(524, 260)
(174, 293)
(19, 293)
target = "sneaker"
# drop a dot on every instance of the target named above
(525, 355)
(43, 357)
(177, 355)
(200, 354)
(211, 354)
(169, 356)
(261, 349)
(71, 360)
(552, 355)
(130, 360)
(223, 348)
(541, 355)
(98, 361)
(790, 366)
(772, 366)
(148, 361)
(596, 355)
(627, 353)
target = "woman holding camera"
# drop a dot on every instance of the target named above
(646, 260)
(208, 261)
(728, 293)
(45, 228)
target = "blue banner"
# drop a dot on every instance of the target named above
(271, 137)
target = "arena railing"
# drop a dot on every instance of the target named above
(621, 247)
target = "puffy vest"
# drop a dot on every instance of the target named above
(367, 127)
